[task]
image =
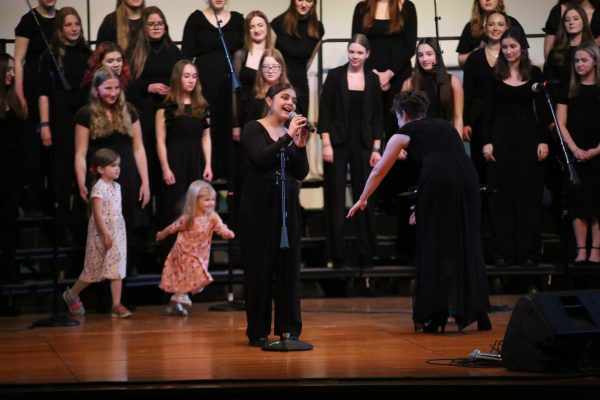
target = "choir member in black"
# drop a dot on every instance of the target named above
(478, 71)
(473, 34)
(12, 114)
(109, 121)
(29, 45)
(392, 31)
(515, 137)
(573, 30)
(429, 68)
(122, 25)
(57, 106)
(555, 17)
(182, 142)
(202, 44)
(298, 32)
(152, 60)
(265, 263)
(577, 114)
(108, 54)
(351, 128)
(450, 269)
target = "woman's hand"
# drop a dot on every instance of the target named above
(488, 153)
(83, 193)
(375, 157)
(328, 153)
(169, 177)
(236, 134)
(359, 205)
(403, 155)
(542, 151)
(207, 175)
(298, 131)
(46, 135)
(158, 88)
(144, 195)
(467, 132)
(384, 79)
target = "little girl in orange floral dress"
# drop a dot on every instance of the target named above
(186, 266)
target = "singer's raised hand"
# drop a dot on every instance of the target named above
(298, 131)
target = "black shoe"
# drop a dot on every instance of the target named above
(483, 322)
(258, 342)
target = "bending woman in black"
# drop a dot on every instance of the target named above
(265, 264)
(450, 269)
(351, 127)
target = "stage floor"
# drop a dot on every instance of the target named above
(367, 340)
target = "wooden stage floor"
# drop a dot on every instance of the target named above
(359, 344)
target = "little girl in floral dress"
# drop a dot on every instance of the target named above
(106, 247)
(186, 266)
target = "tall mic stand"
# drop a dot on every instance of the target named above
(234, 77)
(439, 71)
(57, 319)
(231, 304)
(285, 342)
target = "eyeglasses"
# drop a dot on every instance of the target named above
(153, 25)
(271, 67)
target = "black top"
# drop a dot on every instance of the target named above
(429, 136)
(437, 109)
(555, 17)
(83, 117)
(477, 74)
(468, 43)
(295, 50)
(107, 32)
(27, 28)
(583, 118)
(559, 73)
(246, 74)
(391, 51)
(75, 65)
(334, 110)
(249, 108)
(162, 57)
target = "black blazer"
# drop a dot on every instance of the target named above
(333, 109)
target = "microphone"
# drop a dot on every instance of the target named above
(477, 355)
(539, 87)
(308, 124)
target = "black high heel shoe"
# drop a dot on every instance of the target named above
(437, 323)
(483, 322)
(593, 263)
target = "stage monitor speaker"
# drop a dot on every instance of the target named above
(554, 332)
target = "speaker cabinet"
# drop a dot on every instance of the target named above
(554, 332)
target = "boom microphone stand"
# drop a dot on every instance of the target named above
(56, 319)
(235, 81)
(285, 342)
(439, 71)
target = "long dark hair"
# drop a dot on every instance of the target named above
(198, 102)
(291, 17)
(396, 19)
(562, 43)
(502, 69)
(478, 17)
(8, 96)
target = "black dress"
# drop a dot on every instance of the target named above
(353, 120)
(559, 74)
(467, 42)
(202, 43)
(107, 32)
(391, 51)
(450, 269)
(162, 57)
(265, 264)
(64, 104)
(555, 18)
(516, 123)
(186, 159)
(30, 146)
(296, 51)
(129, 179)
(10, 183)
(583, 123)
(477, 75)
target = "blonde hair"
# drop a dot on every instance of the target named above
(58, 38)
(123, 23)
(196, 190)
(259, 82)
(100, 125)
(593, 51)
(198, 102)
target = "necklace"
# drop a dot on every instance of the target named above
(491, 53)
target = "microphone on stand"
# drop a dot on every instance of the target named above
(540, 87)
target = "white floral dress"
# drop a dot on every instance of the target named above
(101, 264)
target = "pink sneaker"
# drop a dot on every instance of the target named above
(120, 311)
(74, 303)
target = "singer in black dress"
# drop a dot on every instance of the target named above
(298, 34)
(450, 269)
(266, 265)
(122, 25)
(29, 46)
(515, 137)
(202, 44)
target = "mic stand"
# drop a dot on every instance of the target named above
(439, 77)
(285, 342)
(234, 77)
(61, 73)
